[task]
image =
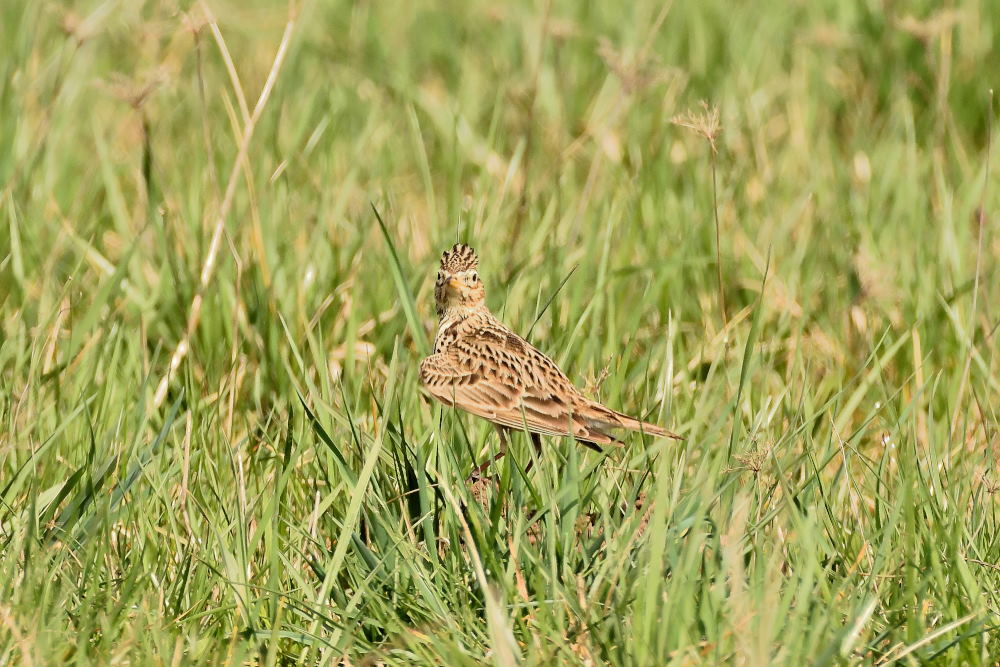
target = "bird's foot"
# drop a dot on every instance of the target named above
(480, 475)
(479, 485)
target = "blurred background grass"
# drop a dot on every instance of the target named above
(213, 447)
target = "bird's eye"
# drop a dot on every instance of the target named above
(474, 276)
(440, 277)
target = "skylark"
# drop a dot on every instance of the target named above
(482, 367)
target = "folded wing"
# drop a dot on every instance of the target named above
(500, 377)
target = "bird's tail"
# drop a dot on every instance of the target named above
(634, 424)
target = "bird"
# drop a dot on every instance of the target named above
(482, 367)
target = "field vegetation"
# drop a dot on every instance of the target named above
(772, 228)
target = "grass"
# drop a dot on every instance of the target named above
(213, 447)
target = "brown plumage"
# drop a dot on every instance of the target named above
(481, 366)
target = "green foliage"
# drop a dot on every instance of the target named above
(227, 458)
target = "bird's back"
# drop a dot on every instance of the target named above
(483, 367)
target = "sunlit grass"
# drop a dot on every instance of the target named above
(219, 452)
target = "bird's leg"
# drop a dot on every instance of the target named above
(536, 442)
(481, 468)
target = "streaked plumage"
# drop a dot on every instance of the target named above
(481, 366)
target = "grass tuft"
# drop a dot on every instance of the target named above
(213, 446)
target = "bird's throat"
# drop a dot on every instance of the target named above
(456, 312)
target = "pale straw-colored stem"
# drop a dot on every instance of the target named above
(208, 268)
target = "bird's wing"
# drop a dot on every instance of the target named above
(551, 389)
(499, 376)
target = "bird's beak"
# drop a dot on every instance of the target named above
(454, 284)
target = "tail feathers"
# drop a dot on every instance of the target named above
(620, 420)
(645, 427)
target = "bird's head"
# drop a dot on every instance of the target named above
(458, 288)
